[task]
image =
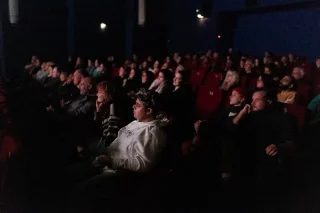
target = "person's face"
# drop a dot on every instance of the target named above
(177, 81)
(132, 74)
(241, 64)
(102, 97)
(78, 60)
(318, 62)
(229, 77)
(77, 78)
(258, 101)
(167, 59)
(149, 59)
(164, 66)
(140, 112)
(235, 98)
(50, 70)
(284, 59)
(70, 79)
(133, 66)
(63, 77)
(33, 59)
(89, 63)
(96, 63)
(230, 50)
(144, 64)
(101, 67)
(144, 78)
(121, 72)
(285, 81)
(55, 72)
(260, 83)
(161, 77)
(291, 57)
(228, 58)
(179, 68)
(43, 66)
(256, 61)
(135, 57)
(247, 66)
(37, 63)
(267, 71)
(265, 60)
(296, 73)
(194, 57)
(84, 87)
(156, 64)
(215, 55)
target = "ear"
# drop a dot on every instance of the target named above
(149, 111)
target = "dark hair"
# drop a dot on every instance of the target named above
(183, 75)
(167, 74)
(150, 100)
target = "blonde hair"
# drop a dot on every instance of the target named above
(235, 80)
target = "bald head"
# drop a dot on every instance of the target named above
(85, 86)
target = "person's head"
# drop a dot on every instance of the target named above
(256, 62)
(77, 77)
(63, 76)
(78, 61)
(146, 107)
(96, 63)
(260, 83)
(287, 82)
(55, 72)
(241, 65)
(215, 55)
(267, 70)
(149, 59)
(260, 101)
(318, 62)
(179, 79)
(122, 72)
(156, 64)
(133, 65)
(232, 78)
(37, 63)
(105, 92)
(85, 86)
(132, 74)
(70, 79)
(291, 57)
(33, 59)
(248, 66)
(284, 59)
(266, 60)
(102, 67)
(90, 63)
(237, 97)
(165, 66)
(194, 57)
(179, 68)
(147, 77)
(44, 66)
(50, 70)
(144, 64)
(168, 60)
(298, 73)
(164, 75)
(230, 50)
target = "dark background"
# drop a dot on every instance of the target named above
(54, 29)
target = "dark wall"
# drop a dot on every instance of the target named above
(282, 32)
(186, 31)
(89, 39)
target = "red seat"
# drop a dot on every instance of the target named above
(299, 112)
(115, 72)
(208, 102)
(213, 79)
(196, 77)
(304, 95)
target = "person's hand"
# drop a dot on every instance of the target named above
(246, 110)
(100, 161)
(98, 106)
(197, 125)
(50, 109)
(272, 150)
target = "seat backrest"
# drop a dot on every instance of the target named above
(208, 101)
(213, 79)
(196, 77)
(299, 112)
(304, 95)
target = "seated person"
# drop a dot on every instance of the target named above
(221, 121)
(314, 110)
(137, 148)
(287, 93)
(54, 81)
(266, 135)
